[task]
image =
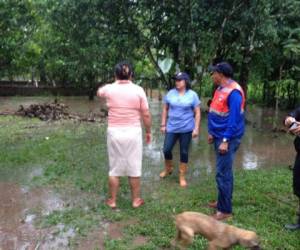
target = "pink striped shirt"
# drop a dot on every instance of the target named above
(125, 101)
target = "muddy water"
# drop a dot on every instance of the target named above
(20, 206)
(18, 211)
(260, 148)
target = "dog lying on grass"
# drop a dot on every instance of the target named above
(219, 234)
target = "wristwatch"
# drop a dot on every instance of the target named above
(224, 140)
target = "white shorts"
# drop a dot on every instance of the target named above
(125, 151)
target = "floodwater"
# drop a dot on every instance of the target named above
(18, 210)
(260, 147)
(20, 206)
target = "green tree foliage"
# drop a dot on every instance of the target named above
(17, 26)
(76, 43)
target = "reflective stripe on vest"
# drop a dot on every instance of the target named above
(219, 104)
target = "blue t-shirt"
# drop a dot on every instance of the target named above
(181, 110)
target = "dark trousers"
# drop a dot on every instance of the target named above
(296, 176)
(296, 170)
(224, 174)
(184, 143)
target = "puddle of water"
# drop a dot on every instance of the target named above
(139, 241)
(260, 147)
(59, 238)
(115, 230)
(21, 206)
(94, 240)
(23, 174)
(19, 209)
(15, 232)
(30, 218)
(110, 230)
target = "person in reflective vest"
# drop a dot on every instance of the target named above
(226, 127)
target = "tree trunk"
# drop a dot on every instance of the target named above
(297, 84)
(244, 73)
(92, 86)
(277, 90)
(264, 91)
(220, 46)
(245, 67)
(154, 62)
(91, 94)
(42, 72)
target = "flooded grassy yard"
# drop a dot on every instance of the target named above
(53, 183)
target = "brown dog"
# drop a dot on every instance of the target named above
(219, 234)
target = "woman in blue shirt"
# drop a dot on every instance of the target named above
(180, 121)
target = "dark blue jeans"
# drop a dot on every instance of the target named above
(224, 174)
(296, 169)
(184, 143)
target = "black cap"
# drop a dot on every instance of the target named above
(182, 76)
(223, 68)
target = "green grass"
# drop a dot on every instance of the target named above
(73, 157)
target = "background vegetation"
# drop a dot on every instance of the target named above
(76, 43)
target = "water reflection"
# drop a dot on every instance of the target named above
(250, 161)
(260, 148)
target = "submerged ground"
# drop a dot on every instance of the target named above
(53, 183)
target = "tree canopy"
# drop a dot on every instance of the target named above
(77, 42)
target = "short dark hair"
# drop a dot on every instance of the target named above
(123, 70)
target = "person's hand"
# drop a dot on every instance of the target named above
(223, 148)
(210, 139)
(195, 133)
(148, 137)
(163, 129)
(296, 130)
(289, 120)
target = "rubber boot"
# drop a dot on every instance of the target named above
(182, 172)
(168, 169)
(295, 226)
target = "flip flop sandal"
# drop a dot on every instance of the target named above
(109, 202)
(139, 202)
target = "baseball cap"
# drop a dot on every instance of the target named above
(182, 76)
(223, 68)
